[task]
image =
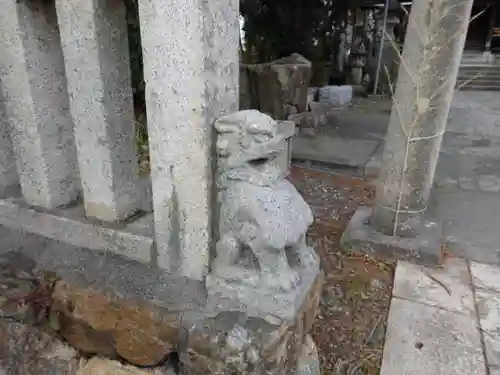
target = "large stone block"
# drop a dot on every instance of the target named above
(278, 88)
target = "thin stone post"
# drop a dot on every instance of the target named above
(191, 72)
(95, 45)
(427, 75)
(8, 171)
(36, 101)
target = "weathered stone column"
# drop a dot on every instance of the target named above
(493, 17)
(95, 45)
(8, 171)
(34, 85)
(191, 73)
(426, 83)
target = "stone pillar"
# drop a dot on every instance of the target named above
(389, 55)
(493, 16)
(8, 171)
(426, 81)
(191, 73)
(95, 45)
(34, 84)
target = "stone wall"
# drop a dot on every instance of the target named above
(132, 273)
(61, 324)
(68, 131)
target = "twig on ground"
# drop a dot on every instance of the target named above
(376, 325)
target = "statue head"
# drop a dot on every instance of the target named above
(247, 136)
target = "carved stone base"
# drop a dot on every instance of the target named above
(255, 330)
(232, 295)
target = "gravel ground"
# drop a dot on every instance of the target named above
(350, 328)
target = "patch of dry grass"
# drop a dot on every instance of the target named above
(350, 328)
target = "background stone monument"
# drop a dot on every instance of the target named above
(278, 88)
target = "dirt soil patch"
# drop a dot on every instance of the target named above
(350, 328)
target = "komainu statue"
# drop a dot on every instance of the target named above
(263, 219)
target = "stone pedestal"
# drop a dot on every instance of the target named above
(228, 295)
(268, 331)
(36, 101)
(426, 81)
(95, 45)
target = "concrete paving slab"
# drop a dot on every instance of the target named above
(489, 183)
(470, 222)
(492, 348)
(465, 161)
(469, 171)
(332, 150)
(354, 123)
(488, 307)
(448, 287)
(475, 112)
(423, 340)
(485, 276)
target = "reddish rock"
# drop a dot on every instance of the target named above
(143, 338)
(101, 324)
